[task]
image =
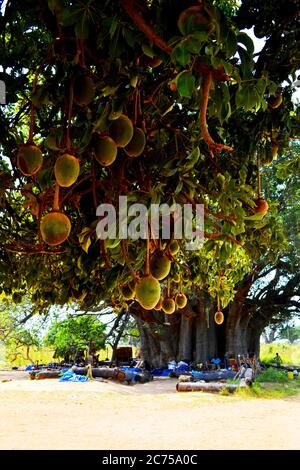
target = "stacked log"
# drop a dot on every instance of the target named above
(104, 372)
(206, 387)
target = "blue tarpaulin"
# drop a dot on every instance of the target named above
(70, 376)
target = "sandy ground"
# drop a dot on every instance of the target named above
(47, 414)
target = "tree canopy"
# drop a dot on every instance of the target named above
(74, 334)
(208, 115)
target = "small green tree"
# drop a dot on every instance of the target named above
(17, 338)
(74, 334)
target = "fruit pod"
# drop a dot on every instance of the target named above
(29, 159)
(181, 300)
(84, 90)
(66, 170)
(147, 290)
(137, 144)
(105, 150)
(261, 206)
(160, 265)
(55, 228)
(121, 131)
(219, 317)
(168, 306)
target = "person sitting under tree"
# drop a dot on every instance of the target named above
(277, 359)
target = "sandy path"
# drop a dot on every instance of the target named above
(47, 414)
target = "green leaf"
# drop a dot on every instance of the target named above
(192, 159)
(69, 16)
(193, 43)
(180, 55)
(147, 50)
(261, 86)
(258, 216)
(231, 43)
(82, 28)
(113, 27)
(216, 62)
(247, 63)
(179, 187)
(244, 39)
(185, 84)
(86, 244)
(248, 97)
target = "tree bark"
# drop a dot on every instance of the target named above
(192, 335)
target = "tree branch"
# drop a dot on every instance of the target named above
(153, 37)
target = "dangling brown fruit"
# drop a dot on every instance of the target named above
(168, 306)
(105, 150)
(121, 131)
(261, 206)
(276, 101)
(152, 62)
(66, 170)
(219, 317)
(158, 306)
(84, 90)
(127, 292)
(147, 291)
(174, 247)
(137, 144)
(160, 265)
(181, 300)
(55, 228)
(173, 86)
(29, 159)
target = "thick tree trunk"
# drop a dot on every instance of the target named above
(192, 335)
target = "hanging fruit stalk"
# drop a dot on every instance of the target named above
(29, 156)
(180, 299)
(168, 304)
(55, 227)
(219, 317)
(261, 205)
(147, 288)
(67, 166)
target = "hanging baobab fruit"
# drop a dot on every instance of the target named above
(147, 288)
(105, 150)
(29, 156)
(66, 170)
(121, 131)
(29, 159)
(137, 144)
(160, 265)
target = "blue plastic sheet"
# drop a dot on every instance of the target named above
(70, 376)
(131, 369)
(30, 367)
(161, 372)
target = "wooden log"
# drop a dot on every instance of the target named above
(47, 374)
(214, 376)
(282, 366)
(104, 372)
(214, 387)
